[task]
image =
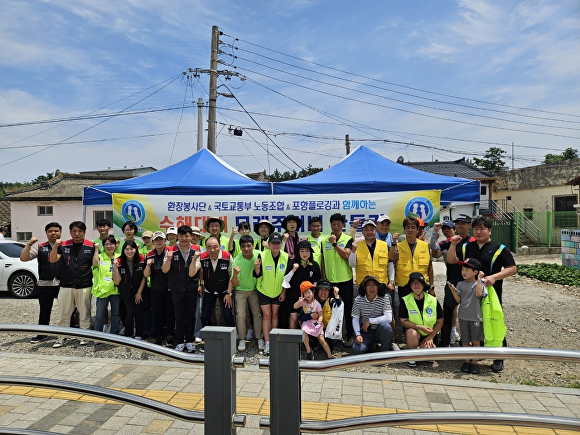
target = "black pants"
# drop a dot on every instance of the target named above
(148, 326)
(209, 300)
(449, 305)
(346, 292)
(184, 303)
(46, 295)
(134, 316)
(163, 312)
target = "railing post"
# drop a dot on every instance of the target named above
(219, 380)
(549, 227)
(285, 397)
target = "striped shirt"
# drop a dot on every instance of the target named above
(363, 309)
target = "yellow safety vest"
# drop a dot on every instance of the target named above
(416, 262)
(377, 265)
(428, 317)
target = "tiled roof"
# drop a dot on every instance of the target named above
(258, 176)
(63, 186)
(4, 212)
(458, 168)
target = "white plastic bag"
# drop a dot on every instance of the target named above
(334, 327)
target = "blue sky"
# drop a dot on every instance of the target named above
(423, 80)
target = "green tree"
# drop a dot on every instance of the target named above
(492, 160)
(567, 154)
(285, 176)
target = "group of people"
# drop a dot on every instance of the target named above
(277, 281)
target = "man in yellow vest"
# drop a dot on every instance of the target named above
(371, 257)
(421, 314)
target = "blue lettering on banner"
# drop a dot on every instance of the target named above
(359, 204)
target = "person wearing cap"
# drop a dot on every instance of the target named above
(181, 264)
(384, 229)
(328, 303)
(246, 294)
(263, 229)
(371, 257)
(147, 238)
(496, 261)
(270, 268)
(303, 268)
(336, 270)
(315, 238)
(421, 315)
(163, 312)
(371, 317)
(215, 227)
(468, 294)
(291, 224)
(216, 272)
(313, 327)
(103, 228)
(233, 244)
(171, 235)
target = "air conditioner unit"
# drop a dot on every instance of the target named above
(577, 207)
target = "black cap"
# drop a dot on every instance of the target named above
(462, 218)
(304, 244)
(419, 277)
(470, 262)
(275, 237)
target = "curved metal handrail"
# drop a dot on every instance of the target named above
(442, 353)
(424, 418)
(103, 337)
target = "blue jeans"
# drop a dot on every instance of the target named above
(382, 334)
(102, 305)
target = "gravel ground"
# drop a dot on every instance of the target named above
(537, 314)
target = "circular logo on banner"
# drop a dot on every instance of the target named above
(133, 211)
(421, 207)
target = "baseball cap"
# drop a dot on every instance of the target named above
(462, 218)
(470, 262)
(448, 224)
(171, 230)
(275, 237)
(306, 285)
(369, 222)
(383, 217)
(157, 234)
(147, 234)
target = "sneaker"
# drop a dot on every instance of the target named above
(242, 346)
(267, 348)
(59, 343)
(465, 367)
(84, 342)
(310, 355)
(395, 346)
(261, 344)
(37, 339)
(474, 369)
(190, 347)
(198, 340)
(180, 347)
(412, 364)
(138, 338)
(250, 334)
(497, 366)
(107, 328)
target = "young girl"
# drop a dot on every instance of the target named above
(313, 326)
(104, 288)
(128, 277)
(304, 268)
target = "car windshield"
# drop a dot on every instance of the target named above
(11, 249)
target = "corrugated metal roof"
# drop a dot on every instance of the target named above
(458, 168)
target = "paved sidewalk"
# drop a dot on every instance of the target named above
(325, 395)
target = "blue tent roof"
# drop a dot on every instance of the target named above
(201, 174)
(366, 171)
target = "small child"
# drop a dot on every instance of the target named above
(313, 326)
(328, 303)
(468, 294)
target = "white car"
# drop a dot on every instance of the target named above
(17, 276)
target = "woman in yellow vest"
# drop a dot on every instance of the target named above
(421, 315)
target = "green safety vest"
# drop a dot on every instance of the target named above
(103, 285)
(494, 328)
(336, 268)
(270, 283)
(316, 247)
(429, 315)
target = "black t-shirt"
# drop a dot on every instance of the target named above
(454, 270)
(404, 313)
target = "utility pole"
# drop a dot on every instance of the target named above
(199, 124)
(211, 117)
(347, 144)
(512, 156)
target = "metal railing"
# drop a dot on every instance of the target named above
(285, 387)
(219, 361)
(505, 210)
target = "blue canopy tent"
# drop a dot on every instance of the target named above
(203, 173)
(366, 171)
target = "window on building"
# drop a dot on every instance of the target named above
(529, 213)
(564, 211)
(45, 210)
(101, 214)
(24, 236)
(509, 198)
(483, 190)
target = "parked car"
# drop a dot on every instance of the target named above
(17, 276)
